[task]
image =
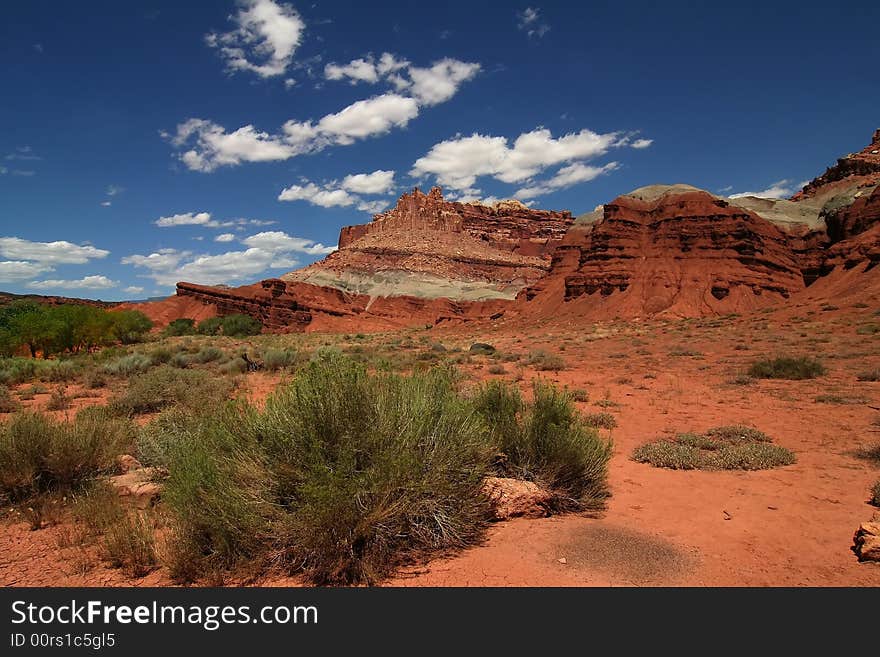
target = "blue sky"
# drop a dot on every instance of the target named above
(224, 142)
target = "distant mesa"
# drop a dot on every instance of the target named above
(661, 250)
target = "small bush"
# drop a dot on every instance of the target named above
(182, 326)
(869, 375)
(58, 371)
(233, 367)
(165, 386)
(207, 355)
(546, 442)
(94, 379)
(238, 326)
(17, 370)
(58, 400)
(868, 329)
(129, 543)
(785, 367)
(180, 360)
(497, 369)
(600, 420)
(38, 454)
(722, 448)
(160, 356)
(128, 365)
(210, 326)
(8, 403)
(875, 493)
(545, 362)
(580, 395)
(277, 359)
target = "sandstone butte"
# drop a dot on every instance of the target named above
(662, 250)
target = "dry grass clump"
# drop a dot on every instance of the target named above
(787, 367)
(722, 448)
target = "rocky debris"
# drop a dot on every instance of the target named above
(513, 498)
(139, 485)
(127, 463)
(866, 541)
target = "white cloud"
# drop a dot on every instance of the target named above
(378, 182)
(326, 198)
(567, 176)
(357, 70)
(133, 289)
(266, 251)
(429, 86)
(642, 143)
(529, 21)
(205, 145)
(344, 194)
(225, 237)
(12, 271)
(779, 189)
(94, 282)
(457, 163)
(52, 253)
(186, 219)
(113, 190)
(441, 81)
(264, 39)
(289, 83)
(277, 241)
(106, 204)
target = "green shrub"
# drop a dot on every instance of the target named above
(722, 448)
(240, 326)
(17, 370)
(129, 543)
(543, 361)
(166, 386)
(182, 326)
(207, 355)
(547, 442)
(8, 403)
(277, 359)
(129, 326)
(128, 365)
(58, 400)
(57, 371)
(786, 367)
(210, 326)
(93, 379)
(160, 356)
(875, 493)
(600, 420)
(234, 366)
(869, 375)
(38, 454)
(497, 369)
(180, 360)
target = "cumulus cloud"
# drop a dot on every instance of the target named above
(94, 282)
(567, 176)
(13, 271)
(204, 145)
(263, 40)
(779, 189)
(457, 163)
(642, 143)
(378, 182)
(529, 21)
(133, 289)
(225, 237)
(344, 194)
(265, 251)
(429, 86)
(49, 253)
(204, 219)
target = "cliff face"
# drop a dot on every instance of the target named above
(660, 250)
(677, 250)
(432, 248)
(856, 168)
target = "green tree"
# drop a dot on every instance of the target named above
(130, 326)
(182, 326)
(210, 326)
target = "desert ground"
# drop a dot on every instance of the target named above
(788, 525)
